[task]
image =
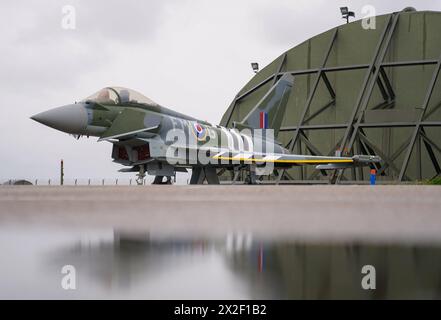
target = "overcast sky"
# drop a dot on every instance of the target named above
(190, 55)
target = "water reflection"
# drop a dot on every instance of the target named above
(121, 264)
(332, 271)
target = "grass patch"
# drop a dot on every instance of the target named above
(434, 181)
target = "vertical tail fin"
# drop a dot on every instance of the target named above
(273, 103)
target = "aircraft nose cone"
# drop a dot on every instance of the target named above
(71, 118)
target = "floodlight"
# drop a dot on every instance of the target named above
(345, 13)
(255, 67)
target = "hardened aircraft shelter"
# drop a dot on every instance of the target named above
(359, 91)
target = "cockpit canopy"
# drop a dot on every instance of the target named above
(118, 95)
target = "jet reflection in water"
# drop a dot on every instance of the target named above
(242, 267)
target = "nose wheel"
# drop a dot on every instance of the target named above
(140, 176)
(158, 179)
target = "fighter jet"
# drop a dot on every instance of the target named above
(148, 138)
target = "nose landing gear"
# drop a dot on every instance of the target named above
(140, 176)
(159, 179)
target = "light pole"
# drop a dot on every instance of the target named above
(345, 13)
(62, 172)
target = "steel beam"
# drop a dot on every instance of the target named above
(328, 85)
(364, 95)
(408, 63)
(389, 88)
(430, 141)
(393, 157)
(428, 114)
(382, 105)
(316, 113)
(279, 69)
(374, 67)
(312, 149)
(333, 69)
(419, 170)
(428, 144)
(383, 91)
(315, 127)
(377, 150)
(314, 89)
(420, 118)
(363, 125)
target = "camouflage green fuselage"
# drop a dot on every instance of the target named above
(161, 134)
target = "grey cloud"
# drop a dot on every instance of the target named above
(96, 21)
(39, 52)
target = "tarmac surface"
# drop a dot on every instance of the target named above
(322, 213)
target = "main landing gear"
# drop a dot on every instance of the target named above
(160, 180)
(201, 174)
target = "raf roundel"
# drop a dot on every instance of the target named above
(200, 131)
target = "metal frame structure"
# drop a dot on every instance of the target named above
(354, 135)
